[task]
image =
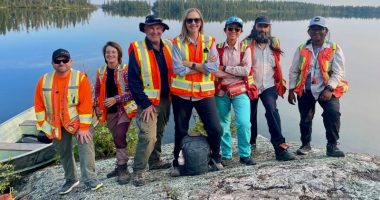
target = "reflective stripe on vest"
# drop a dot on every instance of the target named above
(129, 107)
(324, 59)
(72, 102)
(188, 86)
(146, 70)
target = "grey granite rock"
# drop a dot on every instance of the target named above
(315, 176)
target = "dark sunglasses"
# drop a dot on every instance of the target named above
(233, 29)
(316, 28)
(191, 20)
(59, 61)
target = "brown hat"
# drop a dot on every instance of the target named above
(150, 20)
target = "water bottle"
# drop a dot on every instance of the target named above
(181, 159)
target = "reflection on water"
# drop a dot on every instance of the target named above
(26, 19)
(24, 57)
(17, 19)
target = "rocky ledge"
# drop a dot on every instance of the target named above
(315, 176)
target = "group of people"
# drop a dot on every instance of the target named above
(190, 71)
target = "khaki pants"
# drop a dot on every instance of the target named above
(150, 135)
(86, 157)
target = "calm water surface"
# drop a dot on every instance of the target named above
(26, 55)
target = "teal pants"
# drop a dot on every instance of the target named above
(241, 106)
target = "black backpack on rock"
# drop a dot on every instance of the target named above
(196, 153)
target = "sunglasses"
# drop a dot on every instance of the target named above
(234, 29)
(191, 20)
(316, 28)
(59, 61)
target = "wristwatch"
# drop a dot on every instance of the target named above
(328, 87)
(193, 66)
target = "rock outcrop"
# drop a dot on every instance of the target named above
(315, 176)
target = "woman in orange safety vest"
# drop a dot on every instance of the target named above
(114, 104)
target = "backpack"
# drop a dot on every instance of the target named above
(196, 153)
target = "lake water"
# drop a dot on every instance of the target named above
(26, 54)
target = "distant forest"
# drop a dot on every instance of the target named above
(218, 10)
(46, 4)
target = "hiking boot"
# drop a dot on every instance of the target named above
(175, 172)
(253, 148)
(68, 186)
(304, 149)
(93, 184)
(123, 176)
(160, 164)
(113, 173)
(247, 161)
(226, 161)
(138, 179)
(216, 164)
(333, 151)
(282, 154)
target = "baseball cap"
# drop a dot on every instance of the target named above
(262, 20)
(234, 19)
(318, 21)
(60, 52)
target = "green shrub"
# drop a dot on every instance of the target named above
(104, 145)
(7, 176)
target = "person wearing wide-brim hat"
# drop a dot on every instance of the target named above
(317, 75)
(150, 66)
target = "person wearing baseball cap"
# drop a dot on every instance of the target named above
(150, 66)
(63, 107)
(317, 75)
(233, 70)
(270, 83)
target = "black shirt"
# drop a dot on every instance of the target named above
(111, 88)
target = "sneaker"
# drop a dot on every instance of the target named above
(226, 161)
(332, 150)
(160, 164)
(247, 161)
(175, 172)
(68, 186)
(93, 184)
(216, 164)
(304, 149)
(138, 179)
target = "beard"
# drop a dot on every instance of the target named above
(261, 37)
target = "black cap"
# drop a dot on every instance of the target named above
(60, 52)
(262, 20)
(150, 20)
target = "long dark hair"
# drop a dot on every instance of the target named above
(117, 47)
(251, 36)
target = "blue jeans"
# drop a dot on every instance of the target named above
(331, 117)
(206, 109)
(268, 98)
(240, 104)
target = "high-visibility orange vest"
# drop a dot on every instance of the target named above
(249, 81)
(69, 117)
(279, 81)
(324, 59)
(150, 72)
(197, 85)
(130, 107)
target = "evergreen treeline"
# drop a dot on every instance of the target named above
(45, 4)
(219, 10)
(126, 8)
(27, 19)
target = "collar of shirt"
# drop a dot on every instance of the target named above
(310, 46)
(235, 47)
(189, 40)
(149, 44)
